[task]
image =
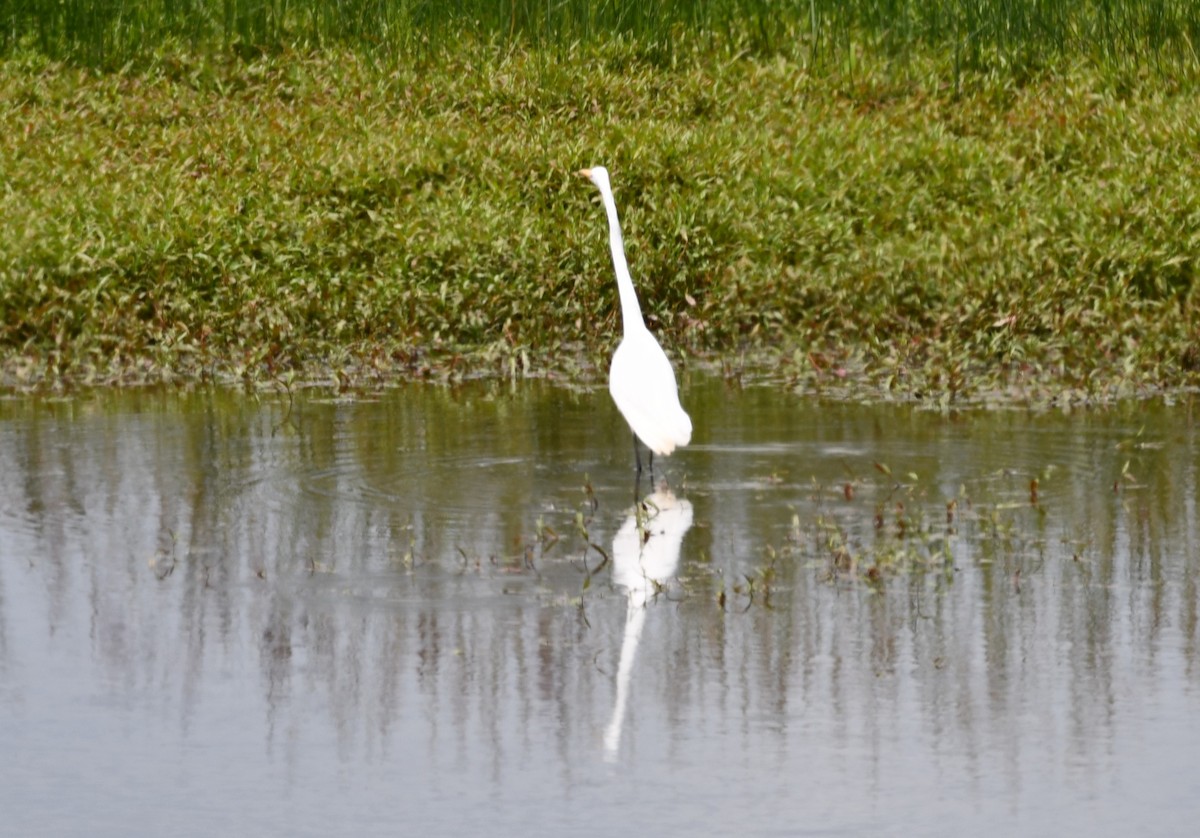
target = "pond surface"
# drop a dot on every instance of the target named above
(433, 611)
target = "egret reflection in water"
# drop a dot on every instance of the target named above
(336, 616)
(645, 555)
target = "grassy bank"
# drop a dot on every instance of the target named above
(910, 229)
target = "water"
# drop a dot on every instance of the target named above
(431, 611)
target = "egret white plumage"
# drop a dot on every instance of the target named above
(641, 380)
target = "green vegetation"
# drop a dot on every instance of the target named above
(1010, 32)
(895, 197)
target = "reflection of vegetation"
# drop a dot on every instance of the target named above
(181, 530)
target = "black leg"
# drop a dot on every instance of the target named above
(652, 471)
(637, 478)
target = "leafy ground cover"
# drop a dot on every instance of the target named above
(911, 228)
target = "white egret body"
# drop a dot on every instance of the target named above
(640, 379)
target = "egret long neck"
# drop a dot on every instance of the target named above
(631, 312)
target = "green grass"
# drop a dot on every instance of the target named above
(1011, 33)
(903, 226)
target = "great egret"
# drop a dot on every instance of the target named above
(640, 379)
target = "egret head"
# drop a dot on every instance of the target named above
(597, 175)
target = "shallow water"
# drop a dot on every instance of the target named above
(432, 612)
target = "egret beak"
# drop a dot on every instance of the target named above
(587, 173)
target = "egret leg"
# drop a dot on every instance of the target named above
(652, 471)
(637, 476)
